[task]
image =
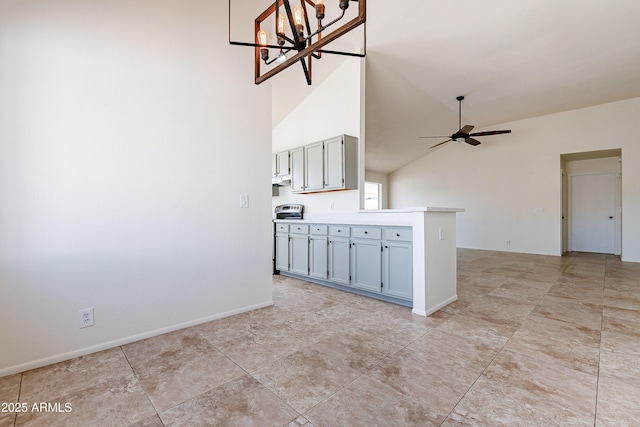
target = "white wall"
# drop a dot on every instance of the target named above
(124, 148)
(502, 181)
(332, 109)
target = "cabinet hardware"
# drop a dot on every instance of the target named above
(397, 234)
(366, 232)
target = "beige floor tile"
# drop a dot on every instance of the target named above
(241, 402)
(551, 382)
(71, 376)
(490, 403)
(472, 355)
(179, 366)
(435, 382)
(503, 311)
(519, 391)
(570, 310)
(521, 290)
(306, 377)
(153, 421)
(9, 393)
(617, 402)
(477, 330)
(357, 349)
(622, 336)
(120, 401)
(554, 341)
(367, 402)
(255, 350)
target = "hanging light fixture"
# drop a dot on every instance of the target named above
(294, 33)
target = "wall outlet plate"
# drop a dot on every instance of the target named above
(86, 317)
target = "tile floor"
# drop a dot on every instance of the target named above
(533, 340)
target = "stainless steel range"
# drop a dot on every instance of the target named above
(289, 211)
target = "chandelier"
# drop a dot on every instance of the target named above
(296, 40)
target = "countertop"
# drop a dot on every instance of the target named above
(397, 217)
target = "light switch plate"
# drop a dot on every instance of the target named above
(244, 200)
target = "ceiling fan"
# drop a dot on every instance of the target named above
(463, 134)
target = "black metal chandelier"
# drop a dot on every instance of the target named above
(294, 33)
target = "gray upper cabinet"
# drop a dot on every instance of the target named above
(297, 169)
(314, 166)
(331, 164)
(282, 164)
(274, 165)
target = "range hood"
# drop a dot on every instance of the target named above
(281, 180)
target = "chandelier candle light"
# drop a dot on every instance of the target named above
(294, 33)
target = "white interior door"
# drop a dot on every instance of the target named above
(593, 212)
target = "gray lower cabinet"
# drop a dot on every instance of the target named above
(282, 251)
(397, 262)
(339, 260)
(397, 268)
(299, 254)
(366, 264)
(318, 254)
(299, 249)
(375, 259)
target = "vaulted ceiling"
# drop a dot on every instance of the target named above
(511, 60)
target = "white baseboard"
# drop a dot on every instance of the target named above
(435, 308)
(127, 340)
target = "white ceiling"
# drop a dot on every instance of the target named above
(511, 60)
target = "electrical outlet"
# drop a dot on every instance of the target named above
(508, 242)
(86, 317)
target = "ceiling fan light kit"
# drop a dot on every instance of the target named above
(464, 134)
(294, 32)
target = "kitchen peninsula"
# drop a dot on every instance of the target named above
(405, 256)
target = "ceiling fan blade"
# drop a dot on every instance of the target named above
(448, 140)
(491, 132)
(439, 137)
(472, 141)
(465, 129)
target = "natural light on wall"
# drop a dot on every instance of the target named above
(372, 195)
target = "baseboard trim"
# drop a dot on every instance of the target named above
(127, 340)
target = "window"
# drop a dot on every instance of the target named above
(372, 195)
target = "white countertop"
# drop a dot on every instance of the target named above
(397, 217)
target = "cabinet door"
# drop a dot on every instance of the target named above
(299, 254)
(282, 252)
(297, 169)
(314, 165)
(366, 258)
(274, 165)
(339, 260)
(282, 163)
(318, 253)
(334, 163)
(398, 270)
